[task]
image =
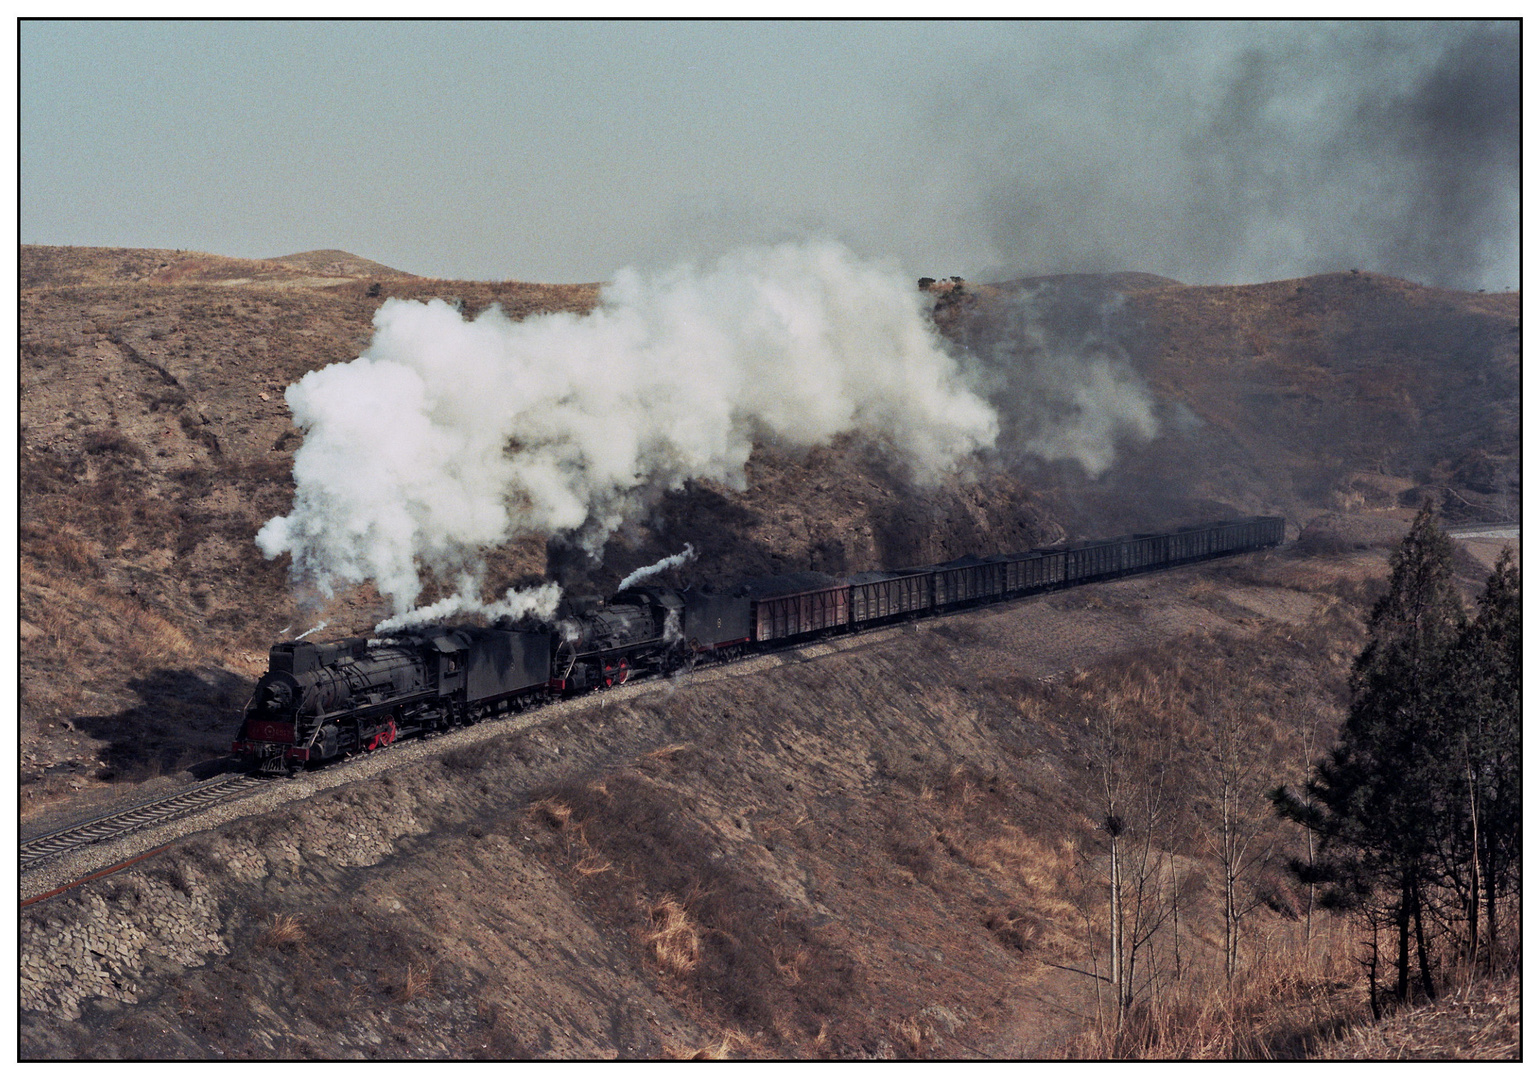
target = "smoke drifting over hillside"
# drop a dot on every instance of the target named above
(1054, 360)
(449, 436)
(1244, 152)
(1074, 404)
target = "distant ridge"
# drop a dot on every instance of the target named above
(1125, 281)
(329, 262)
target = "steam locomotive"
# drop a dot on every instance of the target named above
(319, 702)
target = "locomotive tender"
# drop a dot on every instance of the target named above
(318, 702)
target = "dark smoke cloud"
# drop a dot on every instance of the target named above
(1461, 131)
(1235, 152)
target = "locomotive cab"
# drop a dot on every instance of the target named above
(451, 663)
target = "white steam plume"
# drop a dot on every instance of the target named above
(321, 626)
(447, 436)
(687, 555)
(540, 601)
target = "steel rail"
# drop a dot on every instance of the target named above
(133, 818)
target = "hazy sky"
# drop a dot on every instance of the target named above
(1209, 152)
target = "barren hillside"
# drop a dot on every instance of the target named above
(888, 848)
(155, 440)
(871, 850)
(875, 847)
(1346, 392)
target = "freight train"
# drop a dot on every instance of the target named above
(319, 702)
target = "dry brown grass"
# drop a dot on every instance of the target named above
(673, 937)
(553, 812)
(157, 638)
(590, 865)
(1030, 863)
(1203, 591)
(282, 930)
(415, 982)
(789, 962)
(72, 613)
(1286, 1000)
(1033, 874)
(820, 1045)
(63, 547)
(35, 799)
(54, 621)
(586, 860)
(913, 1036)
(1481, 1022)
(730, 1042)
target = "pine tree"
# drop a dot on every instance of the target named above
(1380, 796)
(1483, 756)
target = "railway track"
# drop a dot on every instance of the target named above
(40, 849)
(150, 813)
(140, 816)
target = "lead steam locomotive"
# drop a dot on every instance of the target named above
(319, 702)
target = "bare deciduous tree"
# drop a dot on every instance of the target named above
(1236, 774)
(1129, 800)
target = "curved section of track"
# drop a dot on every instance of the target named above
(141, 816)
(39, 852)
(73, 852)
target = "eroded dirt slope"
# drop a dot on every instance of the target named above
(884, 850)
